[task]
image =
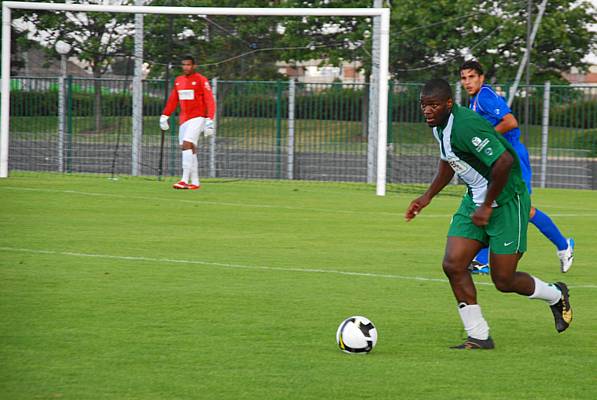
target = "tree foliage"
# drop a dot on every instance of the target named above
(228, 47)
(95, 38)
(435, 38)
(426, 40)
(332, 40)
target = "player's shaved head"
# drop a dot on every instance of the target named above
(439, 88)
(436, 101)
(189, 58)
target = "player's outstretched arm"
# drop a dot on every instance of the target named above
(442, 178)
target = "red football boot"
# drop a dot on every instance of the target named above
(180, 185)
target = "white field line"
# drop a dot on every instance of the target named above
(248, 267)
(265, 206)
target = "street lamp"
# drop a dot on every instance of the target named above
(63, 49)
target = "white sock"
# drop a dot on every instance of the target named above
(195, 171)
(546, 291)
(473, 321)
(187, 164)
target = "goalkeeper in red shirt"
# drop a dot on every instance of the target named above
(197, 108)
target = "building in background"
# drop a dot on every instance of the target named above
(586, 79)
(313, 72)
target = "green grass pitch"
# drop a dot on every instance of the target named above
(128, 289)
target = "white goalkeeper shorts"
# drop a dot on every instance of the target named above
(190, 130)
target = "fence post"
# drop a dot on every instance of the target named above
(69, 124)
(137, 123)
(174, 145)
(390, 132)
(137, 126)
(372, 130)
(61, 123)
(593, 173)
(212, 139)
(374, 87)
(278, 128)
(545, 133)
(291, 95)
(458, 93)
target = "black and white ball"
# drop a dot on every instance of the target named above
(356, 335)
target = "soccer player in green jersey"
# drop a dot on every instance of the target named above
(494, 212)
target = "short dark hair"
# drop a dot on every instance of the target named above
(437, 87)
(188, 58)
(472, 64)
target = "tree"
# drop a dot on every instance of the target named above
(228, 47)
(434, 40)
(95, 38)
(18, 43)
(332, 40)
(425, 41)
(493, 33)
(16, 58)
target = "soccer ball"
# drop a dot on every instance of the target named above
(356, 335)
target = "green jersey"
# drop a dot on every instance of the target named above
(471, 145)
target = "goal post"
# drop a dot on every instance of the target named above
(382, 82)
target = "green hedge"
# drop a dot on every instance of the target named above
(329, 104)
(580, 115)
(45, 103)
(334, 103)
(587, 141)
(570, 111)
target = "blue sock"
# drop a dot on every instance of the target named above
(549, 229)
(482, 256)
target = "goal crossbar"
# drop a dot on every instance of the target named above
(355, 12)
(383, 13)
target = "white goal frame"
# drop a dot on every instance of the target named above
(384, 32)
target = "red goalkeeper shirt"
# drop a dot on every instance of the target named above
(195, 97)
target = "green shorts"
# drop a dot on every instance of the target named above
(506, 232)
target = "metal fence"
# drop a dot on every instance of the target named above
(281, 130)
(559, 127)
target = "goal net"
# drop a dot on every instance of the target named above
(283, 128)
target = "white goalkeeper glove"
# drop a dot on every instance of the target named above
(209, 128)
(164, 122)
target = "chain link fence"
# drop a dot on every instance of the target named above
(281, 130)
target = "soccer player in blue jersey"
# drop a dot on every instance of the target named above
(486, 102)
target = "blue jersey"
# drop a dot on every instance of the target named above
(494, 108)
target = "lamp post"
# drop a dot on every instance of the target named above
(63, 49)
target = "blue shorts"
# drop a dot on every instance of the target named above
(525, 163)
